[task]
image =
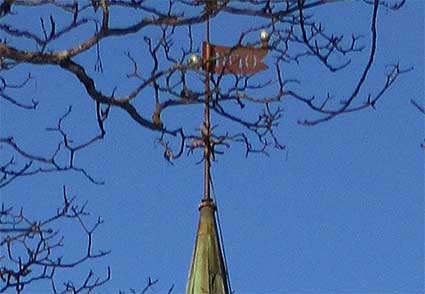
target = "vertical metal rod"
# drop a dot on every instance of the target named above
(207, 128)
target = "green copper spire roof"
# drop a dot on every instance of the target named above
(207, 273)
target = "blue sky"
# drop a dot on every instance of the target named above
(340, 210)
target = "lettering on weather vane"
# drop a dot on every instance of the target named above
(236, 60)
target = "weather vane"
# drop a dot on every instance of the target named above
(218, 59)
(208, 272)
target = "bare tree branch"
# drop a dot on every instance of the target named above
(43, 246)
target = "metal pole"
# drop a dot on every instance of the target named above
(206, 130)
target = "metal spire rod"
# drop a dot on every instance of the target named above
(206, 129)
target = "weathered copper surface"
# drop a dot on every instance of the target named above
(207, 273)
(234, 60)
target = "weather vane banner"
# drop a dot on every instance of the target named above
(235, 60)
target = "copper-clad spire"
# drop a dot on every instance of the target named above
(207, 272)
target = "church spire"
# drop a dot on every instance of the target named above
(207, 272)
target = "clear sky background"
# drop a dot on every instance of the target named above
(341, 209)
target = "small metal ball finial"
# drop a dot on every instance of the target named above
(194, 60)
(264, 35)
